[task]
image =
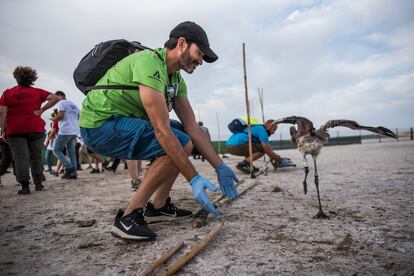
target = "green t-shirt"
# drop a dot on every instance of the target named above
(144, 67)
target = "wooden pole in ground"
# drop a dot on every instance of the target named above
(194, 251)
(260, 90)
(164, 257)
(218, 132)
(246, 94)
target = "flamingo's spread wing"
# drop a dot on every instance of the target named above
(354, 125)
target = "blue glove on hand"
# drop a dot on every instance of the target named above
(199, 185)
(285, 162)
(226, 177)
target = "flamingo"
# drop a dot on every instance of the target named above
(309, 140)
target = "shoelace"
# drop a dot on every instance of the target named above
(138, 219)
(171, 207)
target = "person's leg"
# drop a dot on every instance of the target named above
(83, 152)
(20, 152)
(59, 166)
(97, 164)
(97, 160)
(58, 148)
(78, 159)
(71, 148)
(158, 180)
(36, 164)
(96, 157)
(115, 164)
(48, 160)
(5, 158)
(133, 169)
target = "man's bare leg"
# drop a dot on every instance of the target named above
(159, 178)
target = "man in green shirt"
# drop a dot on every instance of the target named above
(135, 125)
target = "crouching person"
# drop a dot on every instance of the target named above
(135, 125)
(238, 144)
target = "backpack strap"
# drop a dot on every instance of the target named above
(117, 87)
(113, 87)
(253, 137)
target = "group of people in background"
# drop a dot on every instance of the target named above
(23, 136)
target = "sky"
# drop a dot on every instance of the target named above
(319, 59)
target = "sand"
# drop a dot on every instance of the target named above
(366, 189)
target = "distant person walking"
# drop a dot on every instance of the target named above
(68, 114)
(195, 153)
(24, 129)
(5, 158)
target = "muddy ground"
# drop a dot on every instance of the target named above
(367, 190)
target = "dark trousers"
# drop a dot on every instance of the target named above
(27, 154)
(6, 157)
(115, 164)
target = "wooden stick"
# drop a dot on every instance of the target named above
(165, 256)
(260, 90)
(218, 131)
(242, 191)
(194, 251)
(248, 187)
(215, 200)
(246, 94)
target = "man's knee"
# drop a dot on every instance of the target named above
(188, 148)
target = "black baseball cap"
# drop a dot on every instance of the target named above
(194, 33)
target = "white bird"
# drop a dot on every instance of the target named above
(309, 140)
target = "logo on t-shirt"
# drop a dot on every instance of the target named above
(155, 76)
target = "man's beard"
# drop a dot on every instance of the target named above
(187, 62)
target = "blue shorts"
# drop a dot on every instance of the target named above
(129, 138)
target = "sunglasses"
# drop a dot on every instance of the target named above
(171, 91)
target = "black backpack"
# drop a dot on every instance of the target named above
(237, 126)
(99, 60)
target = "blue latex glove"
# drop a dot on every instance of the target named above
(226, 176)
(285, 162)
(199, 184)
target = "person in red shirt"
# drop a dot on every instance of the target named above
(22, 126)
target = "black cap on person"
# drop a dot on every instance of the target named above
(194, 33)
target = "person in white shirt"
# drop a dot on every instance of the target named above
(68, 115)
